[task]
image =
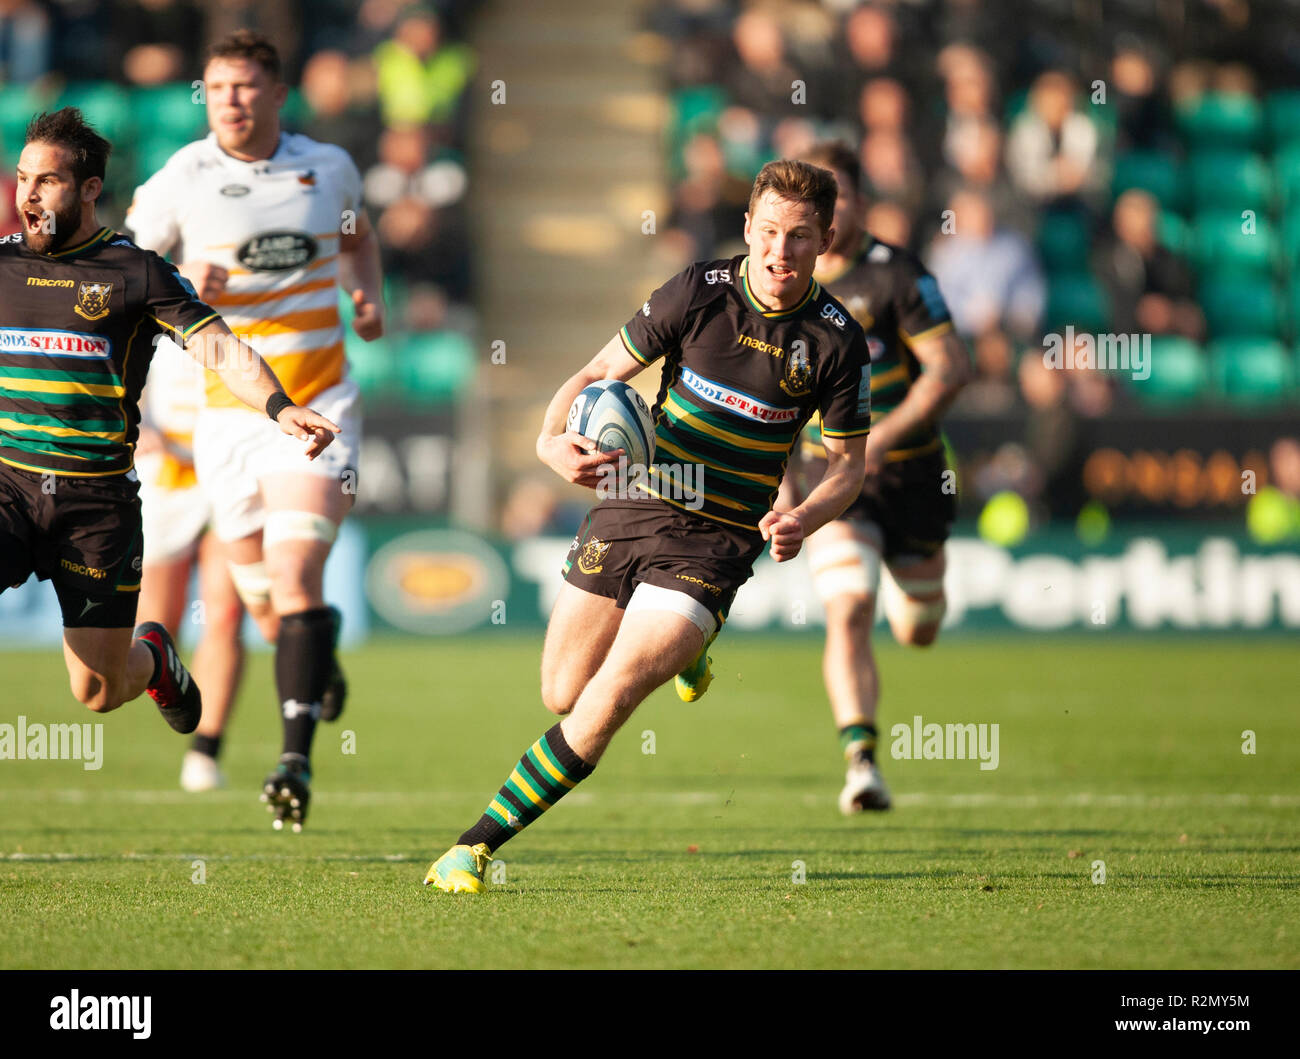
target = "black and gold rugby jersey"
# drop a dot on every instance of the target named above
(890, 293)
(77, 333)
(740, 381)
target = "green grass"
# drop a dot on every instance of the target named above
(1128, 753)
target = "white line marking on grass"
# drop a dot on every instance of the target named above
(931, 799)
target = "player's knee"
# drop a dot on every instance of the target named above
(559, 701)
(917, 635)
(224, 621)
(851, 612)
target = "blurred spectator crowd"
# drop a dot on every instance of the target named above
(385, 79)
(1121, 166)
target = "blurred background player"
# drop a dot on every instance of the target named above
(751, 347)
(268, 225)
(908, 500)
(176, 515)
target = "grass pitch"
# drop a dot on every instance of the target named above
(1127, 753)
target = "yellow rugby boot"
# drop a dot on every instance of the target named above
(460, 870)
(693, 681)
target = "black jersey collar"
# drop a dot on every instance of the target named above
(814, 289)
(101, 236)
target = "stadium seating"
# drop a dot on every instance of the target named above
(1252, 371)
(1282, 112)
(1241, 305)
(1223, 242)
(1063, 240)
(1179, 373)
(1155, 171)
(1222, 119)
(1077, 299)
(1230, 179)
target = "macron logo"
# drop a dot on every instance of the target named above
(77, 1012)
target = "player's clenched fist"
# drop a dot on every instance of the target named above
(368, 322)
(785, 531)
(209, 280)
(573, 457)
(306, 425)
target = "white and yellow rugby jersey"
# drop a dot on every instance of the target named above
(173, 395)
(274, 224)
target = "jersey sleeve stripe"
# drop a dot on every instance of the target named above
(931, 332)
(194, 327)
(861, 432)
(631, 347)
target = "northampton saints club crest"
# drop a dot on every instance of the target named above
(591, 560)
(798, 372)
(92, 300)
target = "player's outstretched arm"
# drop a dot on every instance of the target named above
(251, 379)
(845, 469)
(362, 276)
(945, 369)
(570, 455)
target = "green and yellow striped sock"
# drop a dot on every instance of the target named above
(549, 769)
(858, 740)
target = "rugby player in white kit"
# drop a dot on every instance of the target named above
(267, 225)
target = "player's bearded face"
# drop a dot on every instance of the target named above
(784, 240)
(49, 199)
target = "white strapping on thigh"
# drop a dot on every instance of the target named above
(901, 599)
(653, 597)
(297, 526)
(845, 567)
(252, 582)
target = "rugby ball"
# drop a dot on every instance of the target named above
(615, 416)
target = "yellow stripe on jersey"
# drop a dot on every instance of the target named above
(762, 479)
(898, 373)
(698, 425)
(62, 432)
(93, 389)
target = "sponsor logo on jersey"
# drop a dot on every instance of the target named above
(54, 343)
(717, 275)
(798, 372)
(875, 347)
(763, 347)
(592, 558)
(308, 178)
(864, 393)
(84, 571)
(41, 281)
(735, 401)
(829, 312)
(277, 251)
(645, 309)
(92, 300)
(235, 191)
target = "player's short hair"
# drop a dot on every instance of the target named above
(801, 182)
(836, 154)
(68, 128)
(246, 44)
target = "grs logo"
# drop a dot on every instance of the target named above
(717, 275)
(829, 312)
